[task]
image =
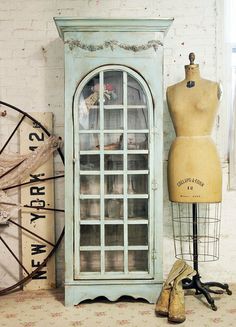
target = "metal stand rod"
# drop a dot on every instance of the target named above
(195, 240)
(195, 282)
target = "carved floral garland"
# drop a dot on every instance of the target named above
(112, 44)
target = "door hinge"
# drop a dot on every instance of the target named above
(154, 254)
(154, 185)
(155, 130)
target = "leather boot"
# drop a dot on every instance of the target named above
(162, 304)
(177, 305)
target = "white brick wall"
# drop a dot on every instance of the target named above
(31, 74)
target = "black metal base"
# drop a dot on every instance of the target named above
(205, 288)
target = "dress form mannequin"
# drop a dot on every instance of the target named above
(194, 170)
(194, 174)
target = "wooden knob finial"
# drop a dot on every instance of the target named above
(191, 58)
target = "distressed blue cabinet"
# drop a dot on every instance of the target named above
(113, 157)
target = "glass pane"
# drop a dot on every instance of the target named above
(136, 95)
(113, 119)
(89, 142)
(114, 235)
(90, 261)
(137, 161)
(89, 235)
(137, 184)
(89, 162)
(114, 209)
(89, 119)
(138, 208)
(137, 119)
(138, 260)
(89, 209)
(137, 234)
(89, 184)
(137, 141)
(88, 105)
(114, 261)
(113, 184)
(113, 86)
(113, 141)
(113, 162)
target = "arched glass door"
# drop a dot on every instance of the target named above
(113, 217)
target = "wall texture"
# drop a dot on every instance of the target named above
(31, 77)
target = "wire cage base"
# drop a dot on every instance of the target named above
(207, 227)
(196, 232)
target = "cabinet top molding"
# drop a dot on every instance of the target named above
(66, 24)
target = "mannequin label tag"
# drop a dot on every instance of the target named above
(190, 84)
(190, 180)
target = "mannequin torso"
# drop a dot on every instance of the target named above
(194, 171)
